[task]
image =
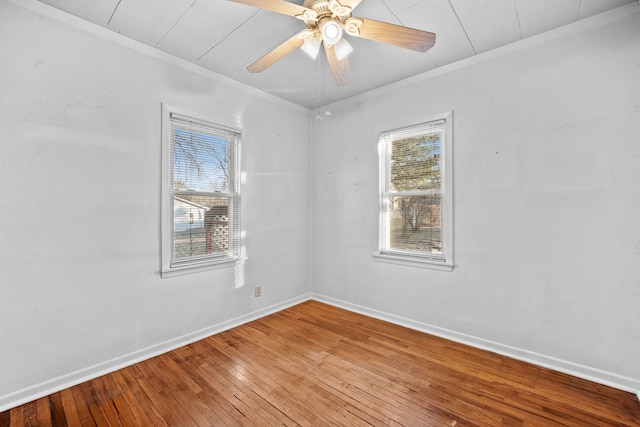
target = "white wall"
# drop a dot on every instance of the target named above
(80, 199)
(547, 203)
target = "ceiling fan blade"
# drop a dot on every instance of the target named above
(276, 54)
(408, 38)
(279, 6)
(340, 69)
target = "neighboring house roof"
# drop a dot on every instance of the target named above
(189, 202)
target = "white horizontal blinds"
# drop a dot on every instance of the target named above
(204, 191)
(413, 190)
(202, 156)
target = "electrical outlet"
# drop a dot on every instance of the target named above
(257, 291)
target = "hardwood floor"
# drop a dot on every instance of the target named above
(318, 365)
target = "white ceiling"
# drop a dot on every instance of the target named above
(226, 37)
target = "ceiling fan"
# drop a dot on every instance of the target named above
(326, 21)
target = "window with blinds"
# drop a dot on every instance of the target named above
(415, 194)
(201, 201)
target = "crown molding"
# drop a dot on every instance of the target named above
(153, 52)
(579, 26)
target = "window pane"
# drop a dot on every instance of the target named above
(415, 223)
(200, 161)
(416, 163)
(200, 226)
(415, 195)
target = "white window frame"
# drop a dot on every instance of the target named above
(442, 261)
(169, 268)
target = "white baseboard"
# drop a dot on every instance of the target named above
(71, 379)
(585, 372)
(54, 385)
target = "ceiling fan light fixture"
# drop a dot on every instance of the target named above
(311, 47)
(343, 48)
(331, 31)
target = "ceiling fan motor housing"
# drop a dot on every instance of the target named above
(329, 18)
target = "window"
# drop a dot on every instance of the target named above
(200, 193)
(415, 195)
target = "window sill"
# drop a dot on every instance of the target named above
(196, 268)
(413, 261)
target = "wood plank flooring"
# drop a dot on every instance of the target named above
(317, 365)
